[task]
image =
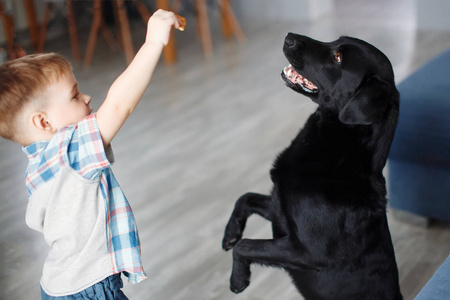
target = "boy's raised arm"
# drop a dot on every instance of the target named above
(128, 88)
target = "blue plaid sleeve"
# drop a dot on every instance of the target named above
(85, 152)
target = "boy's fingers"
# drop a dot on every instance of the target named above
(181, 22)
(178, 21)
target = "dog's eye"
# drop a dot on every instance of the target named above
(338, 57)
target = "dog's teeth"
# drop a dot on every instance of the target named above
(288, 71)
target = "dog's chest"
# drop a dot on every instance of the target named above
(323, 150)
(312, 171)
(303, 160)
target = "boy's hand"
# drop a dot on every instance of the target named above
(159, 26)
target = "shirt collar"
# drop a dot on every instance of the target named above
(34, 149)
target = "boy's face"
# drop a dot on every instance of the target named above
(65, 104)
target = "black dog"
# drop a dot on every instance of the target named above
(328, 202)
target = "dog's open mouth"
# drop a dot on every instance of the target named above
(296, 78)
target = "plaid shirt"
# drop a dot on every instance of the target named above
(80, 147)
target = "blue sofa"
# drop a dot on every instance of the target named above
(419, 160)
(438, 287)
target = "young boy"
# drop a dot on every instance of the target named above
(73, 195)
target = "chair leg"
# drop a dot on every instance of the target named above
(229, 22)
(107, 34)
(205, 33)
(124, 30)
(32, 22)
(116, 17)
(225, 21)
(143, 11)
(73, 32)
(8, 27)
(43, 33)
(96, 24)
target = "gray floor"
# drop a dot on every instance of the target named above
(206, 132)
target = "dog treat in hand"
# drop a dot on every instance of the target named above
(182, 22)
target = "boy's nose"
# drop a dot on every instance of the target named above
(87, 99)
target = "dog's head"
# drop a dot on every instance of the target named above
(349, 77)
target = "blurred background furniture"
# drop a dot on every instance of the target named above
(67, 6)
(98, 24)
(230, 25)
(419, 160)
(124, 34)
(13, 50)
(33, 28)
(54, 10)
(8, 27)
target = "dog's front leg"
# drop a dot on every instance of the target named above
(277, 252)
(245, 206)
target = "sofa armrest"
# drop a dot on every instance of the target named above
(438, 287)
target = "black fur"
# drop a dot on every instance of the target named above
(328, 202)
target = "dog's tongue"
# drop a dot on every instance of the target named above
(295, 77)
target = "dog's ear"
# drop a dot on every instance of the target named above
(369, 103)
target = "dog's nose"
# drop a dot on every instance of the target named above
(291, 41)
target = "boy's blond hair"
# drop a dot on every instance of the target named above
(22, 81)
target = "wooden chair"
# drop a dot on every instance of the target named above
(13, 50)
(33, 27)
(230, 25)
(50, 4)
(98, 24)
(124, 36)
(8, 27)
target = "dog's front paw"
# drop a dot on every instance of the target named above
(238, 285)
(229, 242)
(240, 276)
(233, 234)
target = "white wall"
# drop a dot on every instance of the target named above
(433, 14)
(430, 14)
(290, 10)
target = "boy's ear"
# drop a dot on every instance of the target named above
(41, 122)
